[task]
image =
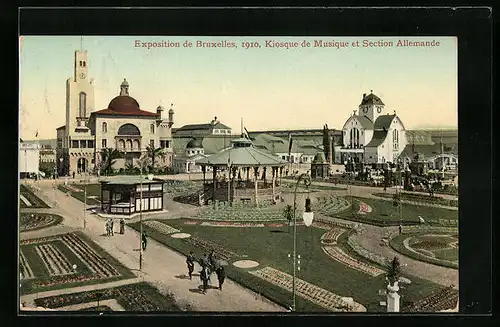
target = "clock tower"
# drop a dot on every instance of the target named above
(79, 95)
(371, 107)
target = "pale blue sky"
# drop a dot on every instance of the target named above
(269, 88)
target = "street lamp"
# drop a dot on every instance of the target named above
(85, 199)
(307, 216)
(150, 177)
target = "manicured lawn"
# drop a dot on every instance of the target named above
(427, 245)
(384, 213)
(423, 198)
(271, 246)
(35, 201)
(33, 221)
(45, 278)
(132, 297)
(93, 193)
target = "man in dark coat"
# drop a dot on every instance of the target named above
(122, 226)
(221, 275)
(190, 263)
(144, 241)
(204, 278)
(111, 222)
(212, 259)
(400, 229)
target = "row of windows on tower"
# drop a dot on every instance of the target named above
(83, 64)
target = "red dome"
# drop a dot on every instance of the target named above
(125, 104)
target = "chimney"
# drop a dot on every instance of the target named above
(364, 96)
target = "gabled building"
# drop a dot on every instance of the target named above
(371, 136)
(215, 127)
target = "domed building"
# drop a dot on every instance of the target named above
(123, 125)
(186, 162)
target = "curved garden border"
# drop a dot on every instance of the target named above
(396, 242)
(22, 226)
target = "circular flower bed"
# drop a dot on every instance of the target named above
(33, 221)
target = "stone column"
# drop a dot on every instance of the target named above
(393, 297)
(274, 179)
(214, 174)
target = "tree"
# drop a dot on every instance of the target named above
(288, 214)
(108, 159)
(394, 271)
(129, 168)
(154, 153)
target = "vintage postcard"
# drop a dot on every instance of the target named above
(238, 174)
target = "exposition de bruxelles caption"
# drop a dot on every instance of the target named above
(277, 44)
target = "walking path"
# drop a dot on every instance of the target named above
(162, 267)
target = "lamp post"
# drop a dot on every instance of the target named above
(307, 216)
(150, 177)
(85, 200)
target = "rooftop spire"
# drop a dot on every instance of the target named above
(81, 43)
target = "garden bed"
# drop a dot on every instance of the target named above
(271, 248)
(34, 221)
(35, 201)
(47, 263)
(132, 297)
(421, 198)
(397, 243)
(97, 308)
(93, 195)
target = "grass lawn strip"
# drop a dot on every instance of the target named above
(307, 290)
(79, 195)
(132, 297)
(421, 198)
(34, 200)
(231, 224)
(25, 201)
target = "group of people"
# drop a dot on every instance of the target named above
(109, 227)
(208, 265)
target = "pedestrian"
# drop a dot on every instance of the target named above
(190, 264)
(107, 227)
(204, 278)
(111, 227)
(122, 226)
(144, 241)
(221, 275)
(400, 229)
(212, 259)
(73, 175)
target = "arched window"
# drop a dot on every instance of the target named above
(82, 105)
(84, 64)
(128, 129)
(129, 144)
(137, 145)
(152, 128)
(121, 144)
(104, 127)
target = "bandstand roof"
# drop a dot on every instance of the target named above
(244, 154)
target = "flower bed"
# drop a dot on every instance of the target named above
(190, 222)
(339, 255)
(25, 270)
(331, 237)
(55, 262)
(331, 205)
(132, 297)
(34, 200)
(236, 214)
(230, 224)
(51, 260)
(207, 246)
(351, 242)
(398, 244)
(311, 292)
(364, 208)
(444, 299)
(275, 225)
(33, 221)
(99, 308)
(161, 227)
